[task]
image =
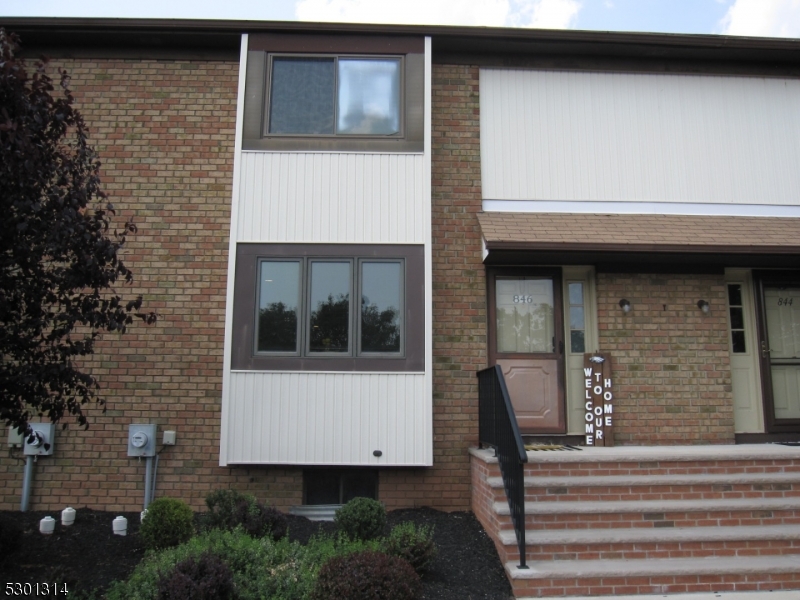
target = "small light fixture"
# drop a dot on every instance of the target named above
(704, 306)
(625, 305)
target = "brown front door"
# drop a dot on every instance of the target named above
(526, 339)
(778, 300)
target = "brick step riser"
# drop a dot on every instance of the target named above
(656, 550)
(654, 520)
(653, 469)
(655, 492)
(677, 584)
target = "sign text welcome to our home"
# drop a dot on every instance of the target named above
(599, 399)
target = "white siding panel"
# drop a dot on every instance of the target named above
(329, 419)
(314, 197)
(562, 136)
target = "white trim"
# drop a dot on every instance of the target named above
(237, 159)
(428, 237)
(338, 152)
(334, 242)
(288, 372)
(643, 208)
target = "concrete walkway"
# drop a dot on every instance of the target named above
(776, 595)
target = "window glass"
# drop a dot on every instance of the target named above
(736, 313)
(369, 96)
(381, 306)
(302, 98)
(329, 303)
(577, 320)
(525, 317)
(279, 299)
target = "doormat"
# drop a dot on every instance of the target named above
(550, 447)
(787, 443)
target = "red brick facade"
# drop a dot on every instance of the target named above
(671, 361)
(165, 133)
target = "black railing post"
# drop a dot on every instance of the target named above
(497, 427)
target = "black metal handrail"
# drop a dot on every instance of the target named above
(497, 427)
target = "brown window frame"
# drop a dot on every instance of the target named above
(411, 358)
(262, 49)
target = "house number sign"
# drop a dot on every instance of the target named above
(599, 399)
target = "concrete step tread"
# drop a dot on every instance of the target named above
(635, 454)
(768, 595)
(532, 481)
(654, 506)
(575, 569)
(621, 535)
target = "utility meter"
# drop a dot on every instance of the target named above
(39, 442)
(142, 439)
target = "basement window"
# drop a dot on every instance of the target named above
(338, 486)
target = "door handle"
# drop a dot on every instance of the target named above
(764, 350)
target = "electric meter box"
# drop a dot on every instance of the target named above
(40, 440)
(142, 439)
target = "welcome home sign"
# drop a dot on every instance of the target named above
(599, 399)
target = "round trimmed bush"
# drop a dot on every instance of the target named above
(205, 578)
(228, 509)
(412, 543)
(367, 575)
(169, 522)
(361, 519)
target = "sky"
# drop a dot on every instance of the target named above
(767, 18)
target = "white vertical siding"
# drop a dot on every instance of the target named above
(329, 419)
(325, 197)
(567, 136)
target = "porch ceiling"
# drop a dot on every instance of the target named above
(637, 240)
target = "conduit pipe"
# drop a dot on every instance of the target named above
(27, 481)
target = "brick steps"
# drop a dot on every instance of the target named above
(655, 513)
(655, 576)
(688, 520)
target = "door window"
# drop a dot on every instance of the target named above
(782, 309)
(525, 316)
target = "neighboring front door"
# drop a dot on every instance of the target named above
(526, 339)
(779, 332)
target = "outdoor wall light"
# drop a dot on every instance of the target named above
(625, 305)
(704, 306)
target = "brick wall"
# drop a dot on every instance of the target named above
(459, 299)
(671, 363)
(164, 131)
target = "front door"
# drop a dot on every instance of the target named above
(526, 340)
(779, 333)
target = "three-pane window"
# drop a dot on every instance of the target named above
(305, 307)
(332, 95)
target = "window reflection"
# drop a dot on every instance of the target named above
(381, 306)
(369, 96)
(330, 307)
(279, 298)
(525, 317)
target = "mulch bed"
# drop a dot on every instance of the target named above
(88, 556)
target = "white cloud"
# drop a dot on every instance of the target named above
(553, 14)
(768, 18)
(488, 13)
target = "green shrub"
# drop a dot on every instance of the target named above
(205, 578)
(10, 536)
(413, 544)
(228, 509)
(361, 519)
(169, 522)
(366, 575)
(261, 568)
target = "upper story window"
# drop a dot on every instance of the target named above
(319, 95)
(334, 93)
